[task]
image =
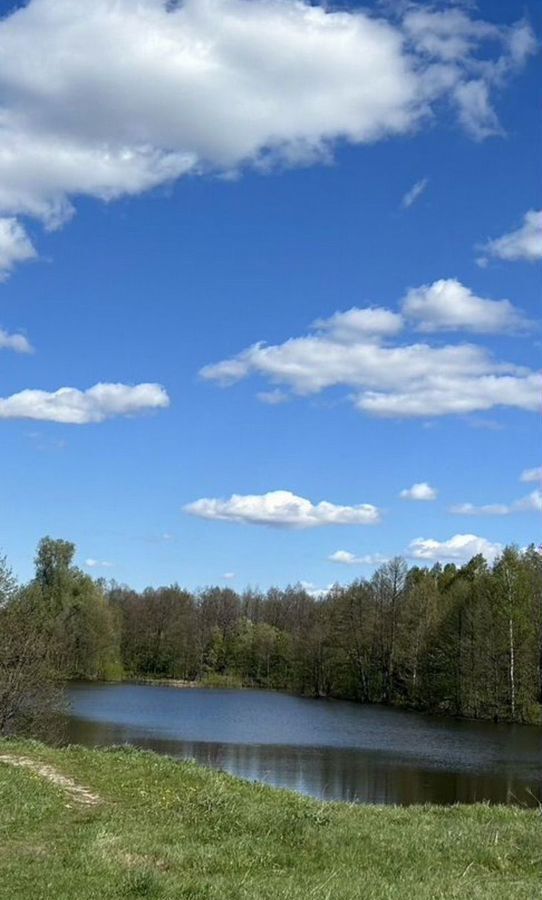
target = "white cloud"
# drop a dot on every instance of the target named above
(272, 398)
(447, 305)
(385, 379)
(282, 509)
(313, 590)
(414, 193)
(354, 324)
(17, 342)
(72, 406)
(346, 558)
(489, 509)
(460, 548)
(451, 37)
(98, 564)
(524, 243)
(531, 503)
(475, 111)
(15, 245)
(419, 491)
(530, 475)
(220, 84)
(228, 576)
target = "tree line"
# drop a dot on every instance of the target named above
(459, 640)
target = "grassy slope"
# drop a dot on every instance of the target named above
(175, 830)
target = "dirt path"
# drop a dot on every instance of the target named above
(76, 791)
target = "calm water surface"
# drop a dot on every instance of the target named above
(331, 749)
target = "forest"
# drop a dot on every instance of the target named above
(456, 640)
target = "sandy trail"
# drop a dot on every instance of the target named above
(75, 791)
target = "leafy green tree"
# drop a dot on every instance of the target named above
(72, 611)
(29, 697)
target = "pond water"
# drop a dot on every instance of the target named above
(330, 749)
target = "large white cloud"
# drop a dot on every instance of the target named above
(74, 407)
(447, 305)
(385, 378)
(282, 509)
(17, 342)
(15, 245)
(460, 548)
(523, 243)
(112, 97)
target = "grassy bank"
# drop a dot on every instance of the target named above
(152, 827)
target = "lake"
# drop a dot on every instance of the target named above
(330, 749)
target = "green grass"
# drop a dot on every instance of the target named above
(175, 830)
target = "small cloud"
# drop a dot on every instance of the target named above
(489, 509)
(44, 443)
(530, 475)
(481, 422)
(98, 564)
(273, 398)
(314, 591)
(16, 342)
(419, 491)
(357, 324)
(346, 558)
(15, 246)
(531, 503)
(448, 305)
(475, 111)
(228, 576)
(414, 193)
(525, 243)
(164, 538)
(460, 547)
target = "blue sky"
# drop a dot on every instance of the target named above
(172, 221)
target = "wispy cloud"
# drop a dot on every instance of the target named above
(531, 503)
(414, 193)
(98, 564)
(346, 558)
(273, 398)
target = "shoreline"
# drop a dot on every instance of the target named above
(119, 823)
